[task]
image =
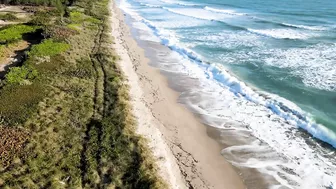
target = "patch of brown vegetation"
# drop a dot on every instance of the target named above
(60, 32)
(7, 52)
(12, 142)
(34, 9)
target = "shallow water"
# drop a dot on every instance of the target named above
(266, 76)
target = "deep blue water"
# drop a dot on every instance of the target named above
(284, 51)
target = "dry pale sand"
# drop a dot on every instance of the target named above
(186, 156)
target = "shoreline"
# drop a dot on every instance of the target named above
(255, 137)
(186, 155)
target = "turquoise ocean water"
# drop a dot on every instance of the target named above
(266, 64)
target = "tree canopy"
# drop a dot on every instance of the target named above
(36, 2)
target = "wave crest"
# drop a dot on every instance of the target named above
(281, 33)
(224, 11)
(313, 28)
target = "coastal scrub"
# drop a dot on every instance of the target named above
(75, 105)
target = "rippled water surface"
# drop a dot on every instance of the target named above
(267, 67)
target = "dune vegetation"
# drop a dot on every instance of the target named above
(65, 121)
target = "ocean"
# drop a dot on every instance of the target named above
(264, 74)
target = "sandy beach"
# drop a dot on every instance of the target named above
(187, 156)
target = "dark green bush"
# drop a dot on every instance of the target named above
(14, 33)
(41, 18)
(35, 2)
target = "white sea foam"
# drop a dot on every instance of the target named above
(224, 11)
(178, 3)
(282, 33)
(197, 13)
(246, 107)
(273, 120)
(188, 4)
(314, 28)
(151, 5)
(182, 23)
(315, 65)
(169, 1)
(144, 35)
(301, 163)
(219, 105)
(127, 8)
(168, 20)
(226, 39)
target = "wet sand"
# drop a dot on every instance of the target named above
(187, 156)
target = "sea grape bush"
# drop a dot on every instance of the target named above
(48, 48)
(21, 75)
(14, 33)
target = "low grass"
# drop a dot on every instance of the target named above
(14, 33)
(18, 103)
(76, 112)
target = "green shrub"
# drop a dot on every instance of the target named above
(8, 17)
(75, 27)
(77, 17)
(14, 33)
(21, 75)
(93, 20)
(48, 48)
